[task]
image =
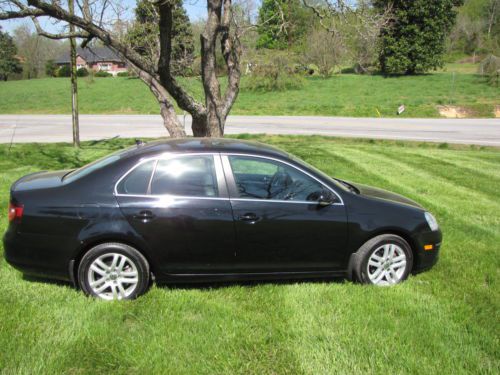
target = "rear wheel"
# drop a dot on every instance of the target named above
(113, 271)
(384, 260)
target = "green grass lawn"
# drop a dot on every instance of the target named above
(342, 95)
(444, 321)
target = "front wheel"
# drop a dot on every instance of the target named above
(384, 260)
(113, 271)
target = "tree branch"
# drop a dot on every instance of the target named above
(22, 13)
(40, 31)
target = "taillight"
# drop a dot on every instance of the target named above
(15, 212)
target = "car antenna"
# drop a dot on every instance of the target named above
(139, 142)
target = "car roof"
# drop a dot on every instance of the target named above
(208, 145)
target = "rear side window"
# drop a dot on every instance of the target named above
(192, 176)
(137, 181)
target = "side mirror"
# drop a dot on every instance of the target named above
(322, 198)
(325, 199)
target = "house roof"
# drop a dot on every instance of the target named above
(91, 55)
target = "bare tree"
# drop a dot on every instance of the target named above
(493, 8)
(324, 49)
(354, 27)
(92, 20)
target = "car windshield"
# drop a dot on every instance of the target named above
(318, 171)
(95, 165)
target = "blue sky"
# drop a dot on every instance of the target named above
(195, 8)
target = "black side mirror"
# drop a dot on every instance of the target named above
(322, 198)
(325, 199)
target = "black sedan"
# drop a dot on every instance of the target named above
(207, 210)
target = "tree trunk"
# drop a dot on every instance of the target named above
(171, 122)
(208, 126)
(74, 87)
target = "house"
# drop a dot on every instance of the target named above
(95, 58)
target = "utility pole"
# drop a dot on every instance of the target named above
(74, 85)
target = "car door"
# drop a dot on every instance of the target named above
(179, 205)
(280, 225)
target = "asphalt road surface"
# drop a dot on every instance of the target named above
(57, 128)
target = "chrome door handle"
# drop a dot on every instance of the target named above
(144, 215)
(249, 217)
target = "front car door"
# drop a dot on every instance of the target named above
(179, 205)
(280, 225)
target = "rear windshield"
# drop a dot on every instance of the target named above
(95, 165)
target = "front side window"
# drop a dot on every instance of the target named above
(192, 176)
(258, 178)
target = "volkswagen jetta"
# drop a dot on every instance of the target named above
(206, 210)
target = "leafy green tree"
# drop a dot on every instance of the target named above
(414, 41)
(282, 23)
(143, 35)
(9, 63)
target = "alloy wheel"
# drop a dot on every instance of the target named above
(387, 265)
(113, 276)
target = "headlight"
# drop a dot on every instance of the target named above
(431, 220)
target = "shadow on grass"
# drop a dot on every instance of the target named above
(205, 285)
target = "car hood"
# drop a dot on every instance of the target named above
(372, 192)
(39, 180)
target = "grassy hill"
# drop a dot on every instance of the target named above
(443, 321)
(342, 95)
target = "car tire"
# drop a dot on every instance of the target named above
(384, 260)
(113, 271)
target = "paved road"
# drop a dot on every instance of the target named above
(57, 128)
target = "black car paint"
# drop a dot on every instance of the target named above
(205, 239)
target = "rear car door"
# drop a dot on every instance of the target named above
(280, 225)
(179, 205)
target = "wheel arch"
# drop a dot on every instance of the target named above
(394, 231)
(89, 244)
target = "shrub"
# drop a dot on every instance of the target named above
(82, 72)
(64, 71)
(275, 76)
(122, 74)
(102, 74)
(490, 69)
(51, 68)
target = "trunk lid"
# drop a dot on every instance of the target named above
(39, 180)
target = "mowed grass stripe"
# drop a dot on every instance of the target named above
(429, 185)
(459, 158)
(485, 170)
(473, 180)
